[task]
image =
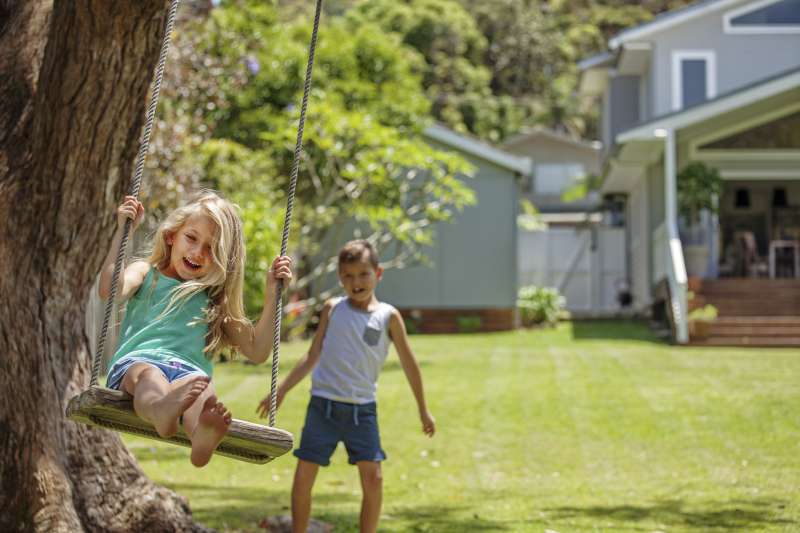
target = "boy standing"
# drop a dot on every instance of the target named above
(346, 356)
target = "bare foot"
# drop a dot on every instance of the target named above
(168, 410)
(212, 425)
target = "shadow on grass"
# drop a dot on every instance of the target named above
(449, 519)
(734, 515)
(629, 330)
(243, 508)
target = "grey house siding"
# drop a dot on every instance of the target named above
(623, 113)
(741, 59)
(474, 255)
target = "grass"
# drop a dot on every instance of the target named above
(588, 427)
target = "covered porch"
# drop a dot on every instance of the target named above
(752, 139)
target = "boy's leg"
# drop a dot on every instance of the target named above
(304, 476)
(206, 422)
(158, 401)
(372, 491)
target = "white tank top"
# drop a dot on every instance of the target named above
(354, 349)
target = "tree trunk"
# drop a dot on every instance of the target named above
(74, 77)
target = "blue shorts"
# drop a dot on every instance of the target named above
(328, 422)
(172, 370)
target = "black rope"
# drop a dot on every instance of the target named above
(298, 148)
(137, 181)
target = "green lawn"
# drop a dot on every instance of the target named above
(589, 427)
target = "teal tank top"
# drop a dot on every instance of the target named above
(149, 334)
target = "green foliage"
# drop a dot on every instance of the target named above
(457, 82)
(468, 323)
(698, 188)
(540, 305)
(529, 219)
(707, 313)
(581, 188)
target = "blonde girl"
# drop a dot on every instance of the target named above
(184, 306)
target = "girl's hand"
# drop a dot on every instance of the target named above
(131, 208)
(281, 269)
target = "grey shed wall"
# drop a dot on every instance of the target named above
(474, 255)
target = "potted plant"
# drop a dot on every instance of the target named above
(700, 321)
(698, 188)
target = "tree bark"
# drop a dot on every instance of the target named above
(74, 77)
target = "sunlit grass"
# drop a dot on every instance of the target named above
(589, 427)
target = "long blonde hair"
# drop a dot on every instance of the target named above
(225, 280)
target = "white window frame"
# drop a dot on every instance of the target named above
(755, 29)
(710, 57)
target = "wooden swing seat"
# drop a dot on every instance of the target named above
(112, 409)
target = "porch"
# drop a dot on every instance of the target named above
(756, 233)
(744, 260)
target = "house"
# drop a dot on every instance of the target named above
(470, 282)
(716, 82)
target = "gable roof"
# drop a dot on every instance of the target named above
(479, 149)
(669, 19)
(533, 133)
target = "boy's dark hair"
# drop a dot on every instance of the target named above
(356, 251)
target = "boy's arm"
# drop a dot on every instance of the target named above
(397, 331)
(255, 342)
(303, 366)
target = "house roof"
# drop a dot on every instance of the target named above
(669, 19)
(532, 133)
(479, 149)
(603, 59)
(784, 81)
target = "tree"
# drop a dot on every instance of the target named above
(455, 78)
(72, 96)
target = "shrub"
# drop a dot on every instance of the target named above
(468, 324)
(539, 305)
(708, 313)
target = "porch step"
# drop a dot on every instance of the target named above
(747, 297)
(765, 342)
(752, 331)
(755, 327)
(769, 305)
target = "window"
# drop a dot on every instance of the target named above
(766, 16)
(693, 77)
(555, 178)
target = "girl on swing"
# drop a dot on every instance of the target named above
(184, 306)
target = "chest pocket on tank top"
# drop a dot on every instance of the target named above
(372, 331)
(371, 335)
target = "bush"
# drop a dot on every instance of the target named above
(539, 305)
(707, 313)
(468, 323)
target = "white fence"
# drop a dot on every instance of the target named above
(587, 265)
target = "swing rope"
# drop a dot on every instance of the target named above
(135, 186)
(298, 148)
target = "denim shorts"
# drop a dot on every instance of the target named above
(328, 422)
(172, 370)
